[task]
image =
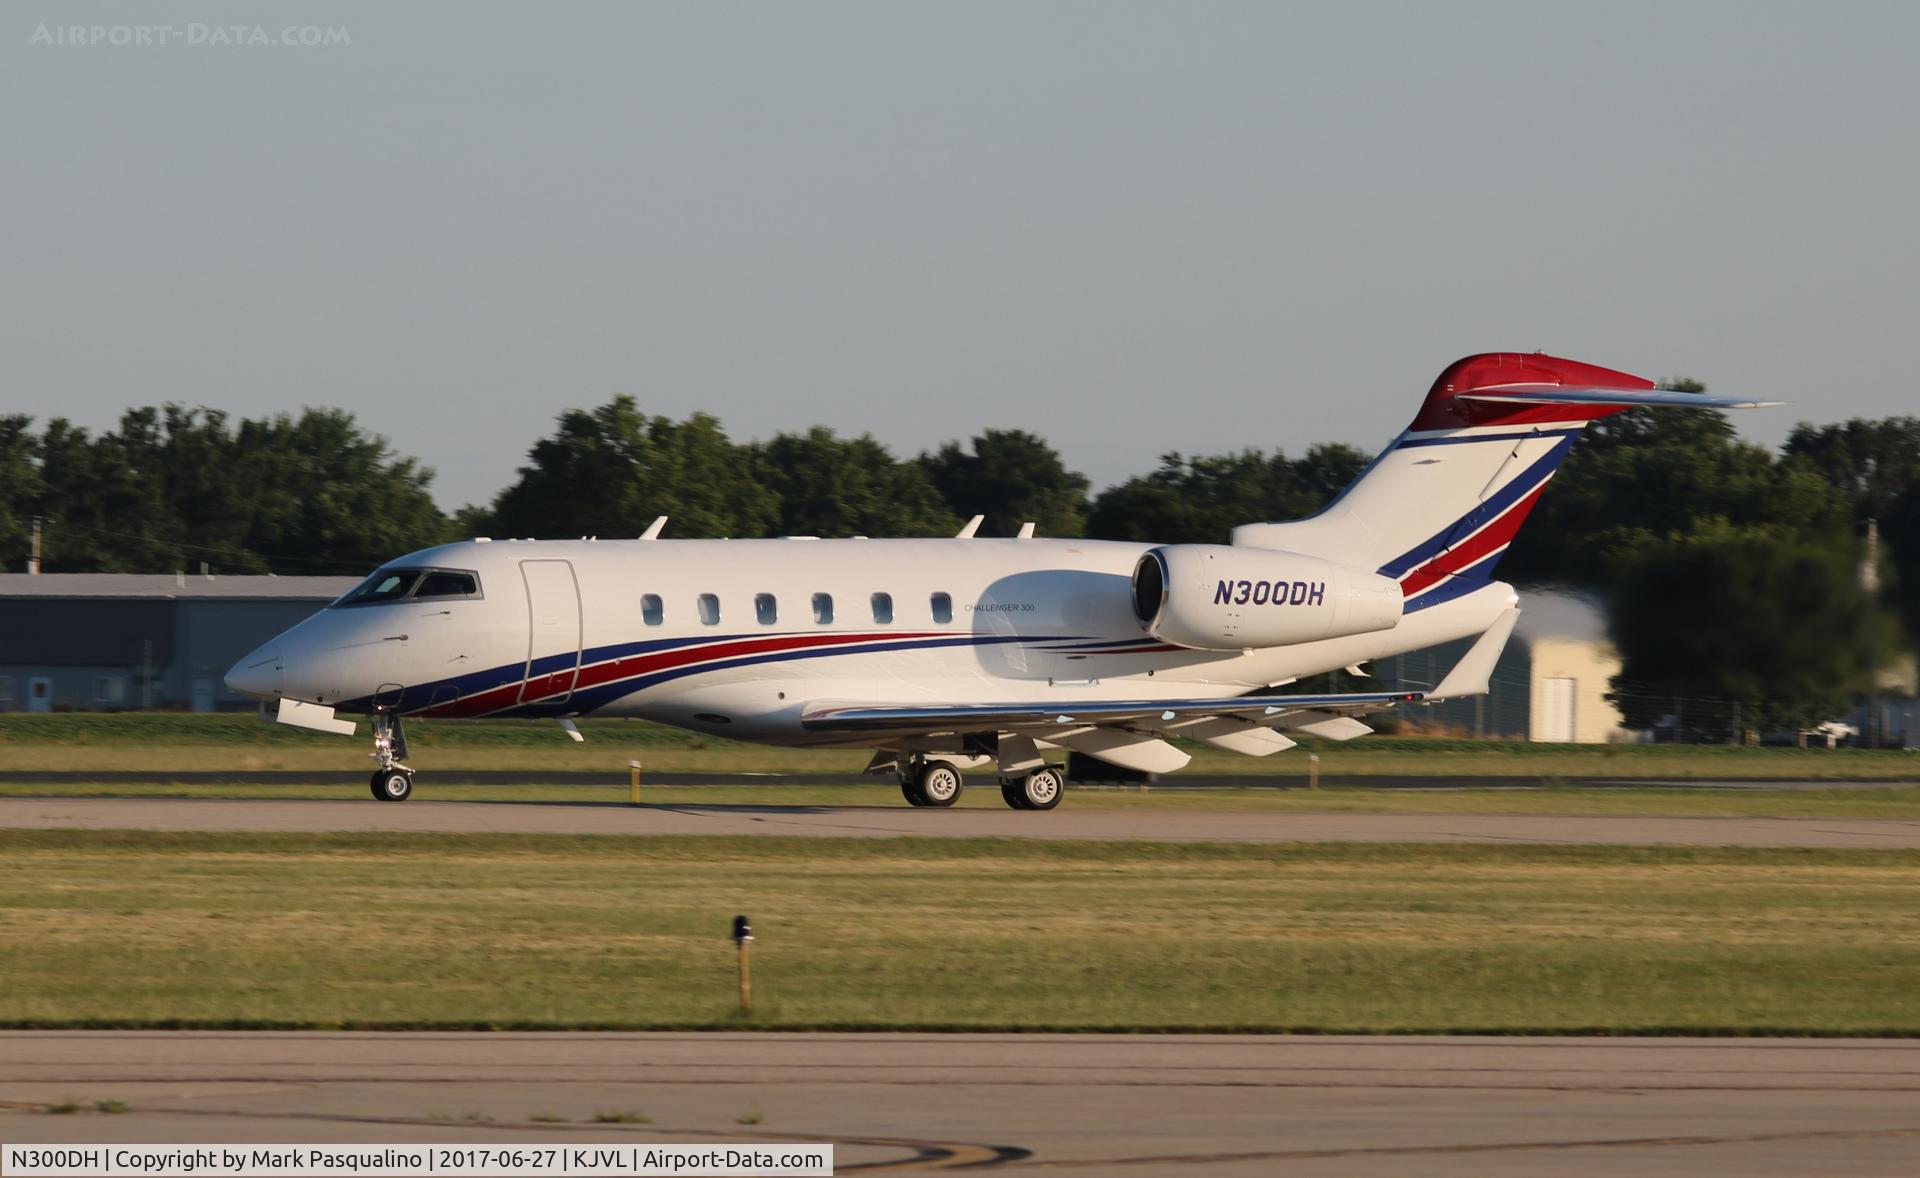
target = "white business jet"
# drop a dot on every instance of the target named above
(954, 654)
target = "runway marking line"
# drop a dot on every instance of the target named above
(1492, 1147)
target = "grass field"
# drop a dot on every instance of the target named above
(119, 928)
(173, 742)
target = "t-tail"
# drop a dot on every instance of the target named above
(1439, 506)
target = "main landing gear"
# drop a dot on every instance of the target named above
(1038, 790)
(927, 782)
(930, 783)
(393, 780)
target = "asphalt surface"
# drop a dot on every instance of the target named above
(773, 781)
(1092, 1104)
(1166, 825)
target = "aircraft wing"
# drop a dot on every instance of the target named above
(1135, 733)
(1143, 714)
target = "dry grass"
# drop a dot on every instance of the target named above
(507, 931)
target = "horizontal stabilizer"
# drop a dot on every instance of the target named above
(1538, 394)
(1472, 674)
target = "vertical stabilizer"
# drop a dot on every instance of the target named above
(1439, 506)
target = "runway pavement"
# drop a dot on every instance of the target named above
(773, 782)
(1170, 825)
(1124, 1105)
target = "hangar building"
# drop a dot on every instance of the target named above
(1550, 683)
(120, 642)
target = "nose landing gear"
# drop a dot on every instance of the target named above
(393, 780)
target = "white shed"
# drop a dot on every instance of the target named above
(1550, 684)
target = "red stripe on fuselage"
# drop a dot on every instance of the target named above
(630, 666)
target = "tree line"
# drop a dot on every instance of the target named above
(1733, 573)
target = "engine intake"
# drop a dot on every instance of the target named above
(1217, 597)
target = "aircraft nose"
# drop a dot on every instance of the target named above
(258, 674)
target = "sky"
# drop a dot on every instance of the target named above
(1130, 228)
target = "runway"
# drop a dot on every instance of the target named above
(773, 782)
(1163, 825)
(1133, 1105)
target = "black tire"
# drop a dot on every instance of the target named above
(1011, 795)
(392, 785)
(939, 783)
(1042, 788)
(910, 790)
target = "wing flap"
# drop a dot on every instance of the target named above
(1129, 750)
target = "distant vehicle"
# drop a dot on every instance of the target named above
(952, 654)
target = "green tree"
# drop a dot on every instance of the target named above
(610, 471)
(833, 486)
(1646, 476)
(1011, 477)
(20, 489)
(1901, 531)
(172, 486)
(1871, 462)
(1794, 652)
(1875, 464)
(1201, 500)
(325, 490)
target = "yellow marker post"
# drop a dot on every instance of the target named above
(633, 783)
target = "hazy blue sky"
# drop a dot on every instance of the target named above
(1130, 228)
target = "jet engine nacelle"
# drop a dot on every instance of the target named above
(1217, 597)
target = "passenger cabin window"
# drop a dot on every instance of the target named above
(652, 610)
(766, 608)
(441, 584)
(942, 608)
(883, 608)
(385, 585)
(823, 609)
(709, 610)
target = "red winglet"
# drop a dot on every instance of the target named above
(1442, 410)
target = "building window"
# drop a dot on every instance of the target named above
(766, 608)
(110, 689)
(652, 610)
(823, 609)
(709, 610)
(883, 608)
(942, 608)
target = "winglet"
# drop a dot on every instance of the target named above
(654, 528)
(1471, 674)
(973, 525)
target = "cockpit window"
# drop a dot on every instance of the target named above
(385, 585)
(443, 584)
(389, 585)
